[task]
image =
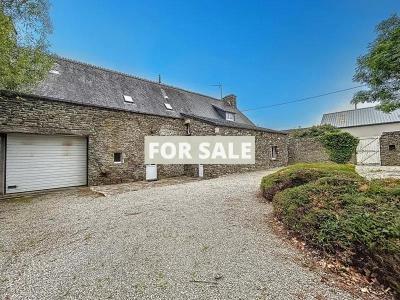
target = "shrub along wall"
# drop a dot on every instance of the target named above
(340, 146)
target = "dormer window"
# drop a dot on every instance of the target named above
(229, 116)
(128, 99)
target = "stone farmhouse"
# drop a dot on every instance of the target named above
(85, 125)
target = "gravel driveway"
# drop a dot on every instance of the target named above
(207, 239)
(379, 172)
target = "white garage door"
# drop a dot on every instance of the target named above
(39, 162)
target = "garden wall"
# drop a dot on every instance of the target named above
(307, 149)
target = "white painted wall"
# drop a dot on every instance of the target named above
(372, 130)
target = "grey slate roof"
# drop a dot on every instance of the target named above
(360, 117)
(86, 84)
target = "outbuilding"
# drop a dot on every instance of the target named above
(376, 131)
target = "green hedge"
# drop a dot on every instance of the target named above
(340, 213)
(340, 145)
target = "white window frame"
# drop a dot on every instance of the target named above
(164, 94)
(274, 152)
(55, 72)
(229, 116)
(188, 131)
(128, 99)
(121, 161)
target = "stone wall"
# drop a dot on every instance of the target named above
(264, 142)
(390, 148)
(307, 149)
(109, 131)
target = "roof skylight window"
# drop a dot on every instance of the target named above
(128, 99)
(164, 94)
(168, 106)
(54, 72)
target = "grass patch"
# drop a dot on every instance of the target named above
(338, 212)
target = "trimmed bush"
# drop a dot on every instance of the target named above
(302, 173)
(356, 220)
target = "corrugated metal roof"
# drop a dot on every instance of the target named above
(360, 117)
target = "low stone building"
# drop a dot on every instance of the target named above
(85, 125)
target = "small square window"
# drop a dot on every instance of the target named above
(128, 99)
(168, 106)
(392, 147)
(274, 152)
(118, 158)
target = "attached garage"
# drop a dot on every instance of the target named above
(40, 162)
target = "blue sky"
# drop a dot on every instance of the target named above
(265, 52)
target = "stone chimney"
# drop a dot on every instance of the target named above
(230, 100)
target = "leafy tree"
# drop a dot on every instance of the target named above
(380, 67)
(24, 56)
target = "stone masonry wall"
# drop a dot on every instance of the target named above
(264, 142)
(107, 131)
(306, 150)
(110, 131)
(390, 148)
